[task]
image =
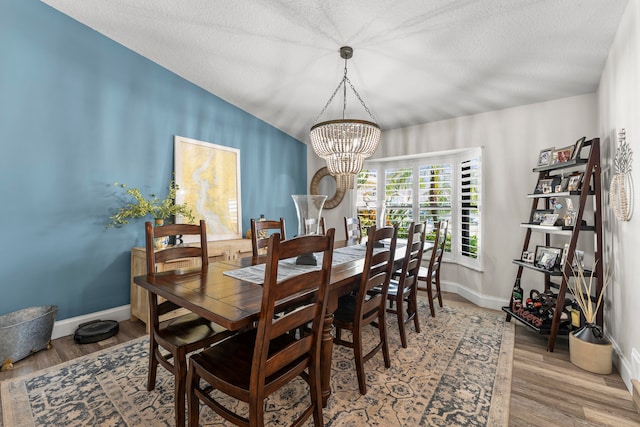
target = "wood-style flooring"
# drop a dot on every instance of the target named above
(546, 389)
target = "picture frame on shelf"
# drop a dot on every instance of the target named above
(547, 257)
(575, 181)
(569, 218)
(564, 184)
(538, 215)
(565, 251)
(562, 155)
(577, 147)
(549, 219)
(544, 158)
(544, 186)
(547, 260)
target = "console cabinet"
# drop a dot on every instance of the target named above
(220, 250)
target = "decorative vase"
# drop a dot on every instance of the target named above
(590, 350)
(309, 211)
(160, 242)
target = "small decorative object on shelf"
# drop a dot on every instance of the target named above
(621, 190)
(139, 207)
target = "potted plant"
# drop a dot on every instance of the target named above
(140, 206)
(589, 349)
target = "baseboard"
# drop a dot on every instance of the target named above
(474, 297)
(68, 326)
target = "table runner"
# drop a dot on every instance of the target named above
(288, 267)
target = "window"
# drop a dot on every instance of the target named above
(398, 190)
(366, 198)
(434, 197)
(427, 188)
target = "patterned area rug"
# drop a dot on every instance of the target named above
(456, 372)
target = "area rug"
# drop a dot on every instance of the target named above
(457, 371)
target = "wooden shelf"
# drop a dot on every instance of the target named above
(543, 330)
(549, 195)
(591, 189)
(561, 166)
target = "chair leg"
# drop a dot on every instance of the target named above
(193, 381)
(438, 288)
(413, 304)
(430, 296)
(383, 338)
(400, 314)
(316, 395)
(357, 353)
(180, 379)
(153, 363)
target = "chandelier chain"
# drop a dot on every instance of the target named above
(343, 83)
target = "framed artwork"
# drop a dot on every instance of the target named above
(562, 155)
(577, 147)
(209, 179)
(544, 158)
(538, 215)
(575, 181)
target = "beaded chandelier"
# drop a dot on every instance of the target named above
(345, 143)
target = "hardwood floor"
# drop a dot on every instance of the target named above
(546, 389)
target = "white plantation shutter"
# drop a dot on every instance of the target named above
(470, 175)
(398, 188)
(435, 193)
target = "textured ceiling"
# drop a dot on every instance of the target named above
(414, 62)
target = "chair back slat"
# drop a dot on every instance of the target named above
(261, 230)
(353, 229)
(155, 255)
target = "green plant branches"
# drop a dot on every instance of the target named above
(141, 206)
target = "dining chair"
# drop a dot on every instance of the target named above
(260, 231)
(353, 229)
(431, 274)
(182, 334)
(252, 365)
(364, 307)
(403, 289)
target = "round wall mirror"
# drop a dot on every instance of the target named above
(323, 183)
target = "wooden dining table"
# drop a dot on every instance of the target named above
(235, 304)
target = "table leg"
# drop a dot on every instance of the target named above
(325, 358)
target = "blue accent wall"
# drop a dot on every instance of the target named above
(77, 113)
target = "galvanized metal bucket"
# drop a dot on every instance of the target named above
(24, 332)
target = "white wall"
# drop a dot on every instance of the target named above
(512, 140)
(619, 107)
